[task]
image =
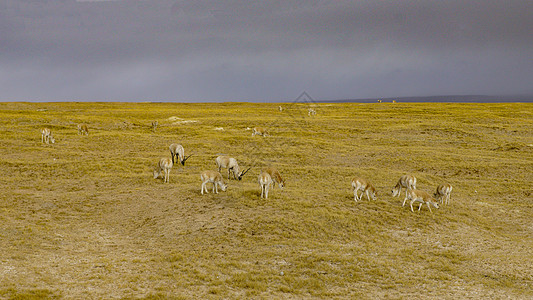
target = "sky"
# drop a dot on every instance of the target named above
(234, 50)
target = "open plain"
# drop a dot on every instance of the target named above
(84, 218)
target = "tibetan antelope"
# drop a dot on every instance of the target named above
(276, 177)
(259, 131)
(365, 187)
(154, 125)
(265, 181)
(82, 129)
(164, 165)
(406, 181)
(232, 165)
(213, 177)
(46, 136)
(311, 112)
(422, 197)
(379, 101)
(176, 150)
(443, 191)
(280, 108)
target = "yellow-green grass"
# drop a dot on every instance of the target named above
(83, 218)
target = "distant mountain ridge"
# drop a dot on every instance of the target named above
(448, 98)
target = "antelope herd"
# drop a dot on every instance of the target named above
(270, 176)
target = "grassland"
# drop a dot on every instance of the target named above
(83, 218)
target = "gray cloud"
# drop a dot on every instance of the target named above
(139, 50)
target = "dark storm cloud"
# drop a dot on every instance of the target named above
(136, 50)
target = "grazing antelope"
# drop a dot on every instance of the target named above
(232, 165)
(311, 112)
(406, 181)
(46, 136)
(422, 197)
(213, 177)
(259, 131)
(178, 151)
(365, 187)
(82, 129)
(164, 165)
(154, 125)
(443, 191)
(265, 181)
(276, 176)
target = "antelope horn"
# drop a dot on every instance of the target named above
(183, 161)
(245, 171)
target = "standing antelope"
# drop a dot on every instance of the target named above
(259, 131)
(178, 151)
(46, 136)
(213, 177)
(265, 180)
(422, 197)
(82, 129)
(154, 125)
(280, 108)
(311, 112)
(232, 165)
(443, 191)
(365, 187)
(164, 164)
(276, 176)
(406, 181)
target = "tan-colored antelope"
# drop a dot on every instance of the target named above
(46, 136)
(154, 125)
(394, 101)
(422, 197)
(265, 181)
(443, 191)
(259, 131)
(176, 150)
(275, 175)
(82, 129)
(231, 164)
(379, 101)
(311, 112)
(366, 188)
(213, 177)
(280, 108)
(406, 181)
(164, 165)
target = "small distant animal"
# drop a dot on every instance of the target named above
(259, 131)
(311, 112)
(265, 181)
(379, 101)
(163, 166)
(232, 165)
(82, 129)
(365, 187)
(443, 191)
(394, 101)
(176, 150)
(275, 175)
(422, 197)
(406, 181)
(213, 177)
(46, 136)
(154, 125)
(280, 108)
